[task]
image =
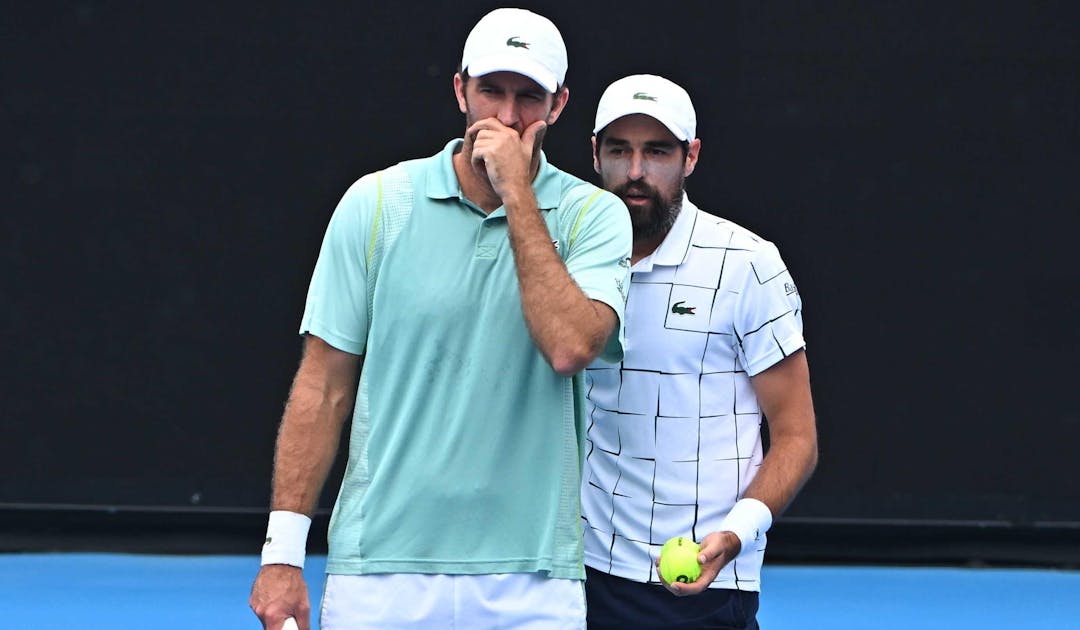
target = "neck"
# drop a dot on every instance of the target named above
(645, 246)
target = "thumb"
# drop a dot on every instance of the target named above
(719, 544)
(710, 549)
(534, 136)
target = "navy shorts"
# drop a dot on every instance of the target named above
(615, 602)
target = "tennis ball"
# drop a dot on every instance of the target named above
(678, 560)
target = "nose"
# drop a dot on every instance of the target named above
(635, 167)
(508, 114)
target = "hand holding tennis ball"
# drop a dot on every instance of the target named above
(679, 560)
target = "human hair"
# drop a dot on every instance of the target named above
(685, 144)
(465, 79)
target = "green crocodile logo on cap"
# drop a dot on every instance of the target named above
(514, 43)
(644, 96)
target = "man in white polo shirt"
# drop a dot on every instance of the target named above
(714, 346)
(473, 287)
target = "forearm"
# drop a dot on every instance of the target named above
(569, 328)
(784, 471)
(308, 438)
(306, 446)
(783, 391)
(787, 466)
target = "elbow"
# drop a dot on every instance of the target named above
(568, 366)
(811, 457)
(570, 360)
(573, 351)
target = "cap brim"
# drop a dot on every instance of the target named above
(521, 65)
(613, 116)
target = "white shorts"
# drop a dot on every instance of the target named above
(415, 600)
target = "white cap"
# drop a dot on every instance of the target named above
(650, 95)
(516, 40)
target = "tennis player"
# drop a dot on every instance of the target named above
(466, 291)
(714, 347)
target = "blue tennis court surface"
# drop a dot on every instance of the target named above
(114, 591)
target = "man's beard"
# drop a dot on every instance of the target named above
(656, 217)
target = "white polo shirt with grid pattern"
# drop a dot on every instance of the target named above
(674, 430)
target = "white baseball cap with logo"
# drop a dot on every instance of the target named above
(650, 95)
(516, 40)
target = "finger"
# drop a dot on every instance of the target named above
(486, 124)
(677, 589)
(534, 137)
(302, 616)
(482, 138)
(477, 150)
(470, 141)
(708, 574)
(693, 588)
(672, 589)
(656, 565)
(473, 131)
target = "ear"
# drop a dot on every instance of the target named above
(692, 157)
(595, 157)
(558, 104)
(459, 92)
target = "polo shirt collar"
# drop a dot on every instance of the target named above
(675, 247)
(442, 182)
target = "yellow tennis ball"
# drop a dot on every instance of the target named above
(678, 560)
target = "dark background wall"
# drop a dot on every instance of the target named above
(168, 170)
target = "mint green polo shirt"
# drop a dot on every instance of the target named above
(466, 447)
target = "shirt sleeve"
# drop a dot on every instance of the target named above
(598, 258)
(768, 318)
(336, 309)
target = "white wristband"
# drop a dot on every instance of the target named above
(748, 519)
(286, 538)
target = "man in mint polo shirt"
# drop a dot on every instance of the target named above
(469, 290)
